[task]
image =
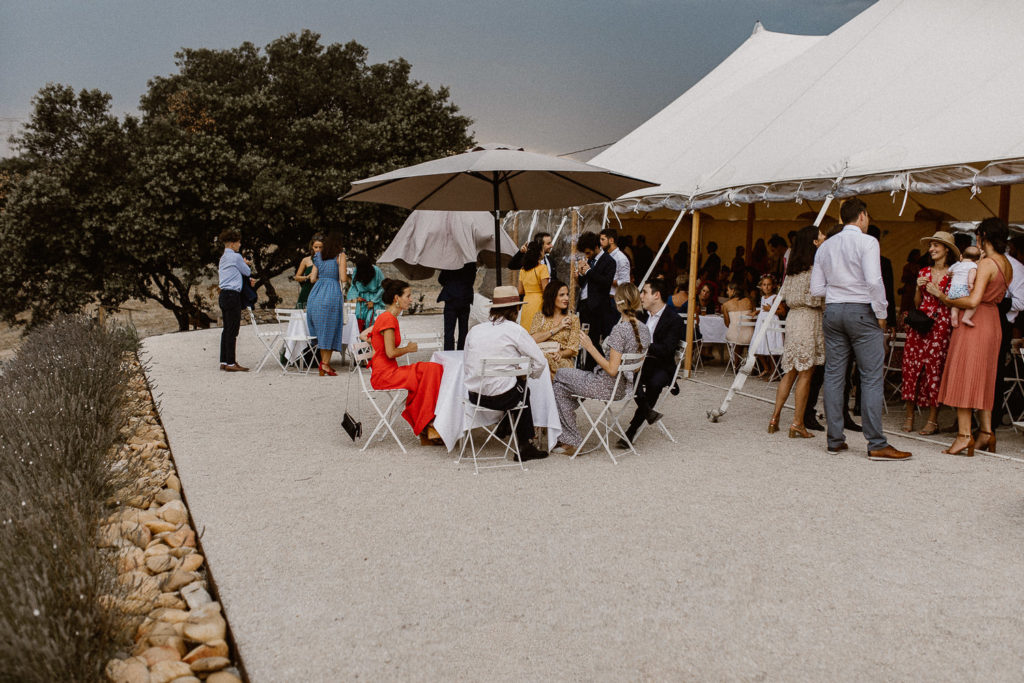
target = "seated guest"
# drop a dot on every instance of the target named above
(679, 304)
(554, 323)
(666, 332)
(707, 299)
(734, 311)
(502, 337)
(421, 380)
(627, 336)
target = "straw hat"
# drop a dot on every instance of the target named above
(945, 238)
(505, 297)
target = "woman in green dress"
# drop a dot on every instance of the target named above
(366, 290)
(304, 271)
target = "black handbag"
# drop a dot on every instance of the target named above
(352, 428)
(920, 322)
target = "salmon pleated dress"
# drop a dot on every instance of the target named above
(969, 380)
(421, 380)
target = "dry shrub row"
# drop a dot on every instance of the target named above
(64, 407)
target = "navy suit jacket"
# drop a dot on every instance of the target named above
(457, 285)
(598, 281)
(661, 355)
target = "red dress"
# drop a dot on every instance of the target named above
(970, 377)
(421, 380)
(925, 357)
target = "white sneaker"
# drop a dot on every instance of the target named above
(560, 450)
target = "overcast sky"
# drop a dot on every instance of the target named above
(554, 76)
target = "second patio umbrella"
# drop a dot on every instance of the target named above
(495, 178)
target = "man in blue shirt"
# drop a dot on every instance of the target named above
(232, 269)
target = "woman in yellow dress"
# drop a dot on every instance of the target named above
(533, 278)
(554, 323)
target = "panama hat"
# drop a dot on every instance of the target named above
(505, 296)
(945, 238)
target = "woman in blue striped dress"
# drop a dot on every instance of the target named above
(325, 308)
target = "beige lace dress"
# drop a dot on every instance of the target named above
(805, 340)
(567, 339)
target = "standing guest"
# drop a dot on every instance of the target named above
(533, 278)
(543, 240)
(969, 379)
(924, 354)
(421, 380)
(666, 267)
(643, 257)
(739, 265)
(659, 366)
(457, 295)
(325, 309)
(682, 257)
(501, 337)
(772, 340)
(713, 263)
(759, 257)
(233, 268)
(1009, 308)
(847, 272)
(305, 269)
(366, 290)
(627, 336)
(777, 264)
(887, 278)
(735, 311)
(609, 242)
(818, 378)
(596, 274)
(805, 343)
(554, 323)
(908, 292)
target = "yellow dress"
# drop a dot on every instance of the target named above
(533, 288)
(567, 339)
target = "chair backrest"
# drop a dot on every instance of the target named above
(505, 367)
(631, 362)
(362, 352)
(252, 317)
(285, 315)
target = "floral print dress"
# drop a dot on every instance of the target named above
(924, 357)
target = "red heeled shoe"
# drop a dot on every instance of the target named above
(326, 369)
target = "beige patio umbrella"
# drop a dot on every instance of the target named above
(444, 240)
(495, 178)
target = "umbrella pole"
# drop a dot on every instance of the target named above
(572, 261)
(497, 234)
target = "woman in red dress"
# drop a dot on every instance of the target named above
(421, 380)
(924, 356)
(969, 381)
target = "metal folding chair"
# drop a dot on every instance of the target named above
(680, 357)
(362, 351)
(607, 422)
(893, 370)
(427, 342)
(518, 368)
(271, 339)
(285, 318)
(776, 352)
(1014, 384)
(746, 322)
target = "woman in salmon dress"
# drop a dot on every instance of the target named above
(969, 379)
(533, 278)
(422, 381)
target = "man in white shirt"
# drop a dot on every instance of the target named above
(622, 274)
(503, 337)
(848, 273)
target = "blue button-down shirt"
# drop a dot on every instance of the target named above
(232, 268)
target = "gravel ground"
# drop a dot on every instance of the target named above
(731, 555)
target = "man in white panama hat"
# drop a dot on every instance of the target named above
(503, 337)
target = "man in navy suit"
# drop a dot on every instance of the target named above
(457, 295)
(595, 280)
(667, 331)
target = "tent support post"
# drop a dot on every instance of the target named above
(574, 232)
(661, 249)
(751, 215)
(1004, 203)
(691, 299)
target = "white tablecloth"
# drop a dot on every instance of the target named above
(297, 327)
(451, 415)
(712, 329)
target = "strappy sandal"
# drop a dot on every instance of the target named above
(988, 444)
(969, 446)
(773, 426)
(928, 431)
(908, 424)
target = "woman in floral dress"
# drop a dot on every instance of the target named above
(554, 323)
(924, 356)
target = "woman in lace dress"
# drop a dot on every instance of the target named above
(805, 340)
(554, 323)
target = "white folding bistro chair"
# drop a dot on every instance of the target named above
(893, 370)
(1014, 384)
(606, 423)
(361, 352)
(285, 319)
(680, 357)
(426, 342)
(495, 367)
(271, 339)
(746, 322)
(777, 351)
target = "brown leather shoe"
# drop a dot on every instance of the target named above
(234, 368)
(834, 450)
(889, 453)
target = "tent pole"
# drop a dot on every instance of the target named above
(497, 234)
(751, 214)
(661, 250)
(1004, 203)
(691, 298)
(573, 232)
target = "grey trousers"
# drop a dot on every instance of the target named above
(853, 329)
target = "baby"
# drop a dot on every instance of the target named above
(963, 273)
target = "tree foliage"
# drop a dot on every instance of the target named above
(264, 140)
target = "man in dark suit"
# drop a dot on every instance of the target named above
(595, 280)
(457, 295)
(544, 240)
(666, 332)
